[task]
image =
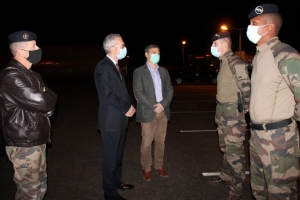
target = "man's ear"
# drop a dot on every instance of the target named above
(224, 43)
(271, 27)
(111, 48)
(20, 52)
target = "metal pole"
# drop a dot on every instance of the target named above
(182, 55)
(240, 43)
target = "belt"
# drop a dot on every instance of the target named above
(272, 125)
(227, 103)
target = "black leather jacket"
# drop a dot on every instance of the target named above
(25, 105)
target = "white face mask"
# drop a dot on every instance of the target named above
(122, 53)
(252, 34)
(214, 52)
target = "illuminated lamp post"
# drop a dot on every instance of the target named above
(183, 43)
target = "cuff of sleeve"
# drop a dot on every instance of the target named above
(161, 106)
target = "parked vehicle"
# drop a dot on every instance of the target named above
(202, 69)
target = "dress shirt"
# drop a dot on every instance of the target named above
(115, 64)
(156, 81)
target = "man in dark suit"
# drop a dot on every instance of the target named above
(153, 91)
(114, 109)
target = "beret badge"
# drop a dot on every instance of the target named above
(220, 35)
(25, 36)
(259, 10)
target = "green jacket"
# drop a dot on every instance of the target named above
(144, 92)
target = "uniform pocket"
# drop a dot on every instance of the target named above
(236, 131)
(285, 165)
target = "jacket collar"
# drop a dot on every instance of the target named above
(17, 64)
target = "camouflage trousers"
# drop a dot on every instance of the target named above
(274, 157)
(231, 130)
(30, 174)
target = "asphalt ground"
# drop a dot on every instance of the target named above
(74, 156)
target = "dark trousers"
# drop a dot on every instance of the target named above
(112, 156)
(2, 142)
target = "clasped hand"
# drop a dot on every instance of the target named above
(130, 112)
(158, 108)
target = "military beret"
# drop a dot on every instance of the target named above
(263, 9)
(21, 36)
(220, 35)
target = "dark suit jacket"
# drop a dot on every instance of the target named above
(144, 92)
(113, 96)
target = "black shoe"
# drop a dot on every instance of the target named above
(217, 180)
(124, 186)
(113, 197)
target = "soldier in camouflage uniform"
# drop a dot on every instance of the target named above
(232, 80)
(274, 107)
(25, 106)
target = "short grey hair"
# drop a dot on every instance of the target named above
(228, 41)
(15, 46)
(110, 41)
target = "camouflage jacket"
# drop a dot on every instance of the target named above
(241, 76)
(288, 61)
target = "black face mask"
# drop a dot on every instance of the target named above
(35, 56)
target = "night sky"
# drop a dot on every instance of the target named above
(141, 24)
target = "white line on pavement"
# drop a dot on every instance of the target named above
(198, 131)
(193, 101)
(217, 173)
(180, 112)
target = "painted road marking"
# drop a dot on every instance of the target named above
(180, 112)
(198, 131)
(217, 173)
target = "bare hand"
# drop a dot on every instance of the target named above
(159, 108)
(130, 112)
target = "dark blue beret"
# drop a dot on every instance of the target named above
(21, 36)
(263, 9)
(220, 35)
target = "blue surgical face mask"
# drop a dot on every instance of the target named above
(122, 53)
(214, 52)
(154, 58)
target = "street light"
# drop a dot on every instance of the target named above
(224, 27)
(183, 43)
